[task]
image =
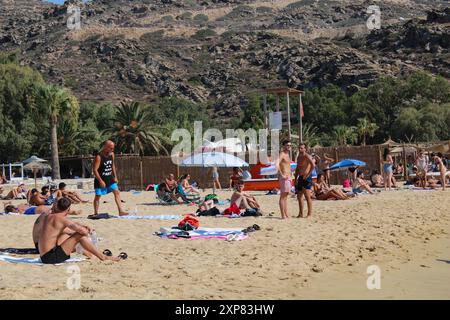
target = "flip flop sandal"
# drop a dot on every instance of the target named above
(123, 256)
(249, 229)
(256, 227)
(107, 253)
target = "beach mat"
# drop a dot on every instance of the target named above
(19, 250)
(202, 233)
(159, 217)
(34, 261)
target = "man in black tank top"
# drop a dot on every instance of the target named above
(105, 177)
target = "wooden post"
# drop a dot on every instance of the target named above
(288, 109)
(336, 159)
(380, 157)
(405, 171)
(265, 110)
(300, 121)
(142, 174)
(278, 102)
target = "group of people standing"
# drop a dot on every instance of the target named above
(302, 178)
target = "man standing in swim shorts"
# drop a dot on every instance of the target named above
(106, 177)
(303, 179)
(284, 176)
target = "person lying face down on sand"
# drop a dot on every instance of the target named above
(242, 199)
(55, 244)
(323, 192)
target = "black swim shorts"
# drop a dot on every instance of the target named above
(54, 256)
(304, 183)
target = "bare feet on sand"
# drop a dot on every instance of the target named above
(123, 213)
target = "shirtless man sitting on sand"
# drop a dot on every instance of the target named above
(58, 236)
(303, 179)
(242, 199)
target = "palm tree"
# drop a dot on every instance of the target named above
(132, 132)
(344, 135)
(310, 134)
(55, 103)
(365, 128)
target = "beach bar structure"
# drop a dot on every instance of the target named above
(288, 93)
(9, 172)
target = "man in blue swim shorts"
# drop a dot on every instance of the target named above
(303, 179)
(106, 177)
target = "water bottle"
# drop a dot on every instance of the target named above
(94, 238)
(79, 249)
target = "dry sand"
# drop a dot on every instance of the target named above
(405, 233)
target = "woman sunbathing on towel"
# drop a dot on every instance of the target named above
(324, 192)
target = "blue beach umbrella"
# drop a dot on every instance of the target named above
(347, 163)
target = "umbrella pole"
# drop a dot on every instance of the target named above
(35, 179)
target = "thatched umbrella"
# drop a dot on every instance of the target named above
(35, 166)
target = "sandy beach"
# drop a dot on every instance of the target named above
(405, 233)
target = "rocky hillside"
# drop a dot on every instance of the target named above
(216, 51)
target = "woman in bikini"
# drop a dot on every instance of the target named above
(441, 167)
(323, 192)
(388, 163)
(422, 168)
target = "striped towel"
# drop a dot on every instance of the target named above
(35, 261)
(204, 233)
(160, 217)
